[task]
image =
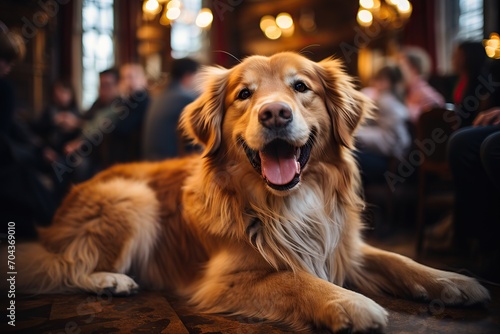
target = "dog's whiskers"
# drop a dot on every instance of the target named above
(304, 49)
(229, 54)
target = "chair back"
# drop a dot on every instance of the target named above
(433, 130)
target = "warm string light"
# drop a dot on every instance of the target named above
(172, 10)
(274, 28)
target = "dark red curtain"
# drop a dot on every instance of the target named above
(66, 18)
(127, 16)
(421, 28)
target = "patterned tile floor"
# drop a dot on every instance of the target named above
(156, 312)
(152, 312)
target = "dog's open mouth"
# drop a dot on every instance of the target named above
(279, 162)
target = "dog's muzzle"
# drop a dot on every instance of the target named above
(280, 163)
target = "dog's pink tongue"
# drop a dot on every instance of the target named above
(279, 168)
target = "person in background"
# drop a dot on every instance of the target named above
(10, 53)
(474, 157)
(123, 144)
(59, 123)
(385, 136)
(24, 199)
(109, 91)
(94, 120)
(469, 61)
(161, 139)
(415, 64)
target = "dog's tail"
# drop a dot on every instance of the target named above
(35, 270)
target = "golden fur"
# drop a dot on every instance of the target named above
(210, 228)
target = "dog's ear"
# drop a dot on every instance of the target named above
(346, 105)
(202, 119)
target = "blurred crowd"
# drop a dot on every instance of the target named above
(402, 94)
(43, 157)
(404, 98)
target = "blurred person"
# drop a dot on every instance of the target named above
(469, 61)
(386, 135)
(415, 64)
(59, 124)
(12, 50)
(109, 91)
(161, 138)
(93, 121)
(124, 142)
(60, 121)
(474, 157)
(24, 199)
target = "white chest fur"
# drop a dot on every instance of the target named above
(300, 231)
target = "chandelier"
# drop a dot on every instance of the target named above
(174, 10)
(492, 46)
(390, 13)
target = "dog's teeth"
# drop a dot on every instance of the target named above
(297, 167)
(298, 153)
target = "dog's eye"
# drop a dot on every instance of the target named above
(300, 87)
(244, 94)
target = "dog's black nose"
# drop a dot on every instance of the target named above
(275, 115)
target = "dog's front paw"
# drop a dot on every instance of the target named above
(462, 290)
(353, 311)
(116, 284)
(452, 289)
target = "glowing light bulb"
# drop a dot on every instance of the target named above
(204, 18)
(174, 4)
(266, 21)
(368, 4)
(284, 20)
(404, 6)
(273, 32)
(365, 18)
(173, 13)
(151, 6)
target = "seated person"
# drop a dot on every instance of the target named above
(474, 157)
(385, 136)
(24, 199)
(60, 121)
(108, 92)
(59, 124)
(420, 96)
(469, 63)
(97, 120)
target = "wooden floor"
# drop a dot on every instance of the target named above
(153, 312)
(156, 312)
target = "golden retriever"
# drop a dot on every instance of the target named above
(265, 223)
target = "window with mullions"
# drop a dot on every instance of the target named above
(97, 45)
(185, 35)
(471, 20)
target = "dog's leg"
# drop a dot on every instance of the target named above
(401, 276)
(101, 232)
(298, 299)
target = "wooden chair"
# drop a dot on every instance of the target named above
(433, 131)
